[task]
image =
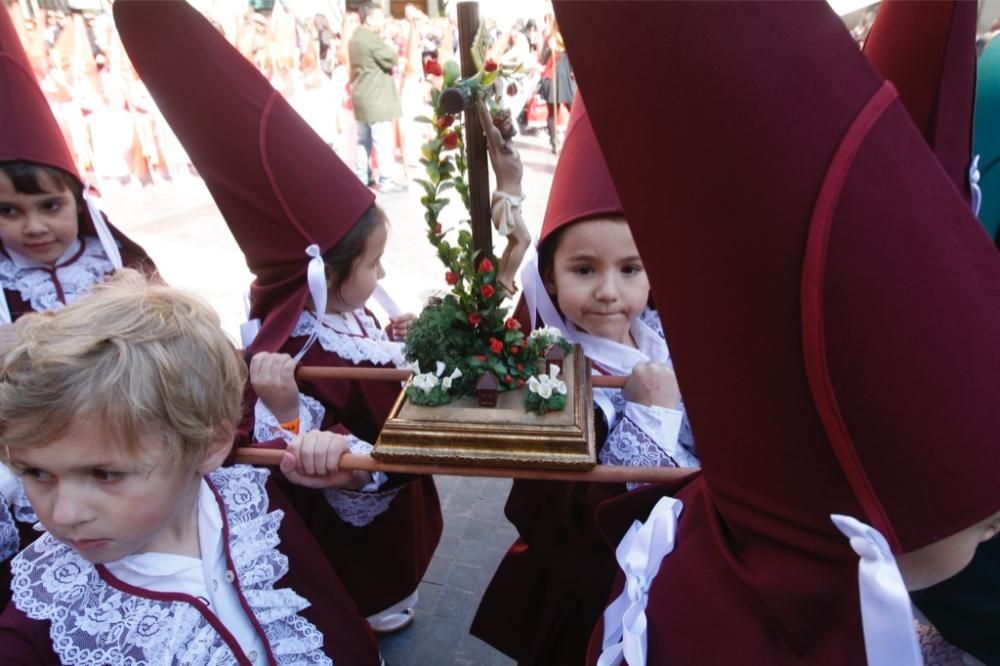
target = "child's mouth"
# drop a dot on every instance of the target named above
(87, 545)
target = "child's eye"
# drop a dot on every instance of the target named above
(7, 211)
(36, 474)
(52, 205)
(632, 269)
(583, 270)
(106, 475)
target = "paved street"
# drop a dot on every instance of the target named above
(182, 230)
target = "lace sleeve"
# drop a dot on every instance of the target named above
(266, 427)
(939, 652)
(647, 437)
(360, 507)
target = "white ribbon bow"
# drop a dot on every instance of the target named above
(639, 554)
(316, 278)
(886, 611)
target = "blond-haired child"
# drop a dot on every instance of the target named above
(117, 412)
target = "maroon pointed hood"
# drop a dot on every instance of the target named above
(28, 129)
(832, 311)
(927, 50)
(279, 186)
(581, 185)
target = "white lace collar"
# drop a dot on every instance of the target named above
(94, 620)
(35, 282)
(353, 336)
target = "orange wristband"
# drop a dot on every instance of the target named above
(292, 426)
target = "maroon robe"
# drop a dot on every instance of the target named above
(347, 639)
(383, 562)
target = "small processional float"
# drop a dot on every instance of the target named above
(482, 397)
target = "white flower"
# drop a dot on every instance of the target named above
(425, 382)
(415, 367)
(533, 384)
(440, 368)
(549, 333)
(446, 382)
(560, 387)
(554, 370)
(544, 390)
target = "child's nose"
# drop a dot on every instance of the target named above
(34, 225)
(68, 507)
(607, 289)
(381, 271)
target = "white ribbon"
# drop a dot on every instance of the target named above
(502, 207)
(886, 611)
(639, 554)
(103, 232)
(977, 191)
(316, 278)
(537, 298)
(5, 316)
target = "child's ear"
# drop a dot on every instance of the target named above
(329, 276)
(219, 449)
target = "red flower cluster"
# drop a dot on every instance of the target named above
(485, 266)
(487, 291)
(445, 121)
(433, 68)
(475, 319)
(515, 350)
(512, 324)
(451, 277)
(450, 141)
(496, 346)
(491, 65)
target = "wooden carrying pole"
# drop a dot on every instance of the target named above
(308, 372)
(599, 474)
(475, 139)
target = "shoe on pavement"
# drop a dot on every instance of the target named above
(392, 622)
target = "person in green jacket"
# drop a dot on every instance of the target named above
(376, 102)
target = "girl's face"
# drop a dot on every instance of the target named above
(40, 227)
(105, 503)
(358, 286)
(598, 280)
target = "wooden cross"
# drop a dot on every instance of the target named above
(475, 139)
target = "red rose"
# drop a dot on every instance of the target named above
(482, 358)
(512, 324)
(486, 290)
(507, 379)
(433, 68)
(445, 121)
(520, 383)
(520, 367)
(491, 65)
(475, 318)
(496, 346)
(450, 141)
(515, 350)
(451, 277)
(485, 266)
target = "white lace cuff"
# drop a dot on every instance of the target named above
(661, 424)
(266, 427)
(360, 507)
